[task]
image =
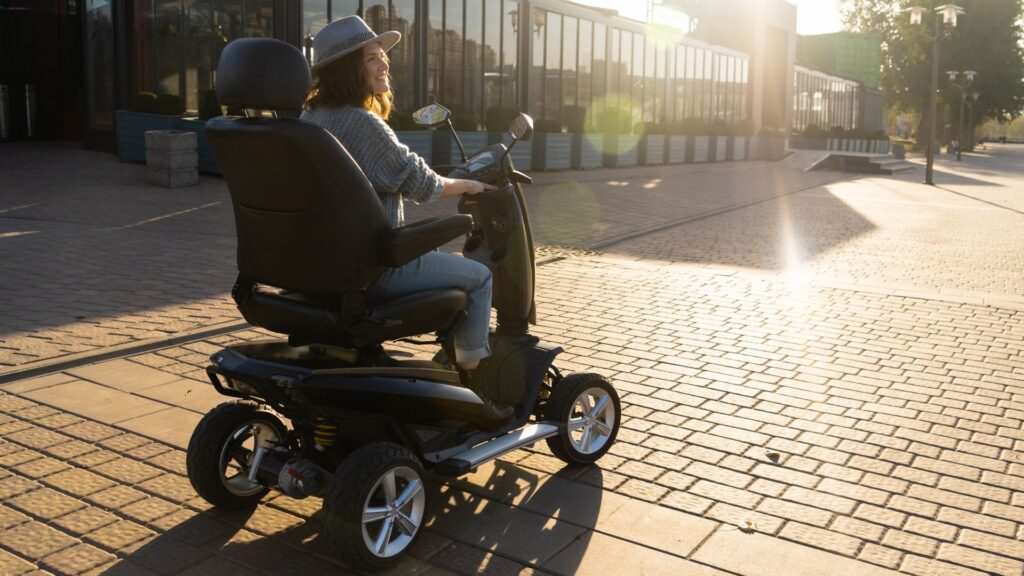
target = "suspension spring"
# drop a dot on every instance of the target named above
(325, 432)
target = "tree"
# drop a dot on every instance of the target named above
(988, 40)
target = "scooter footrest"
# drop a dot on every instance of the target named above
(466, 460)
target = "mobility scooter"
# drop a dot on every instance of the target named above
(366, 424)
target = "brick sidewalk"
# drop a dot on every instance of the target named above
(790, 409)
(96, 257)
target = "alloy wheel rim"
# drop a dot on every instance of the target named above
(591, 420)
(393, 512)
(237, 455)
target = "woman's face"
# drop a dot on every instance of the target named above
(376, 63)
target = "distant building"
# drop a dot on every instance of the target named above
(851, 55)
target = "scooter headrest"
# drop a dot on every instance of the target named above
(263, 74)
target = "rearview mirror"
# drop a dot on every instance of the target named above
(521, 127)
(431, 115)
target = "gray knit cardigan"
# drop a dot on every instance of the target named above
(395, 171)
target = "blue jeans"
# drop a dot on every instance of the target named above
(443, 271)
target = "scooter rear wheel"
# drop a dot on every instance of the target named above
(221, 453)
(376, 506)
(589, 407)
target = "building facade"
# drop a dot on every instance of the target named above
(564, 63)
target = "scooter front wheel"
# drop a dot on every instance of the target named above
(374, 510)
(588, 407)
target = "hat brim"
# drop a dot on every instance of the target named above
(387, 41)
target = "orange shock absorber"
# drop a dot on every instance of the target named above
(325, 432)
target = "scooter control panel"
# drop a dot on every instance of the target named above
(484, 166)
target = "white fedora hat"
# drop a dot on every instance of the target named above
(344, 36)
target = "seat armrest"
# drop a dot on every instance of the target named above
(411, 241)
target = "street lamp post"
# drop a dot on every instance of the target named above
(949, 14)
(968, 79)
(970, 120)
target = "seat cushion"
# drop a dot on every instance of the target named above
(318, 319)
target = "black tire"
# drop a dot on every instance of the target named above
(355, 488)
(207, 448)
(562, 408)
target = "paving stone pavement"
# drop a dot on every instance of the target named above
(95, 257)
(804, 410)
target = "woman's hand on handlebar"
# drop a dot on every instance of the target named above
(458, 187)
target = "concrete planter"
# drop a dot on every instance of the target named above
(588, 151)
(521, 154)
(207, 162)
(654, 149)
(130, 130)
(552, 151)
(171, 159)
(721, 148)
(739, 148)
(701, 148)
(676, 153)
(620, 150)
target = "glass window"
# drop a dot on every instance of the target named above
(474, 59)
(435, 51)
(454, 68)
(403, 56)
(553, 68)
(492, 55)
(510, 54)
(586, 64)
(99, 46)
(341, 8)
(314, 17)
(570, 29)
(600, 68)
(637, 80)
(648, 83)
(540, 30)
(199, 63)
(259, 18)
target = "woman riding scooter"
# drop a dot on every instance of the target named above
(351, 98)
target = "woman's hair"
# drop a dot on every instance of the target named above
(344, 83)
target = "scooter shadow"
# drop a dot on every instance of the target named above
(495, 520)
(516, 514)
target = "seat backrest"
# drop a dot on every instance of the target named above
(306, 217)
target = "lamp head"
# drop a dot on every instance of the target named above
(949, 13)
(916, 14)
(969, 75)
(952, 75)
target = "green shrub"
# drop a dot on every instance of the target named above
(691, 126)
(655, 128)
(170, 104)
(615, 121)
(209, 107)
(547, 125)
(498, 118)
(837, 132)
(814, 131)
(575, 117)
(464, 122)
(142, 101)
(743, 127)
(878, 135)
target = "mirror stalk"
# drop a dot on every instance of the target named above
(457, 141)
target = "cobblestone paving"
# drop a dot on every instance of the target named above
(96, 257)
(882, 428)
(873, 232)
(80, 497)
